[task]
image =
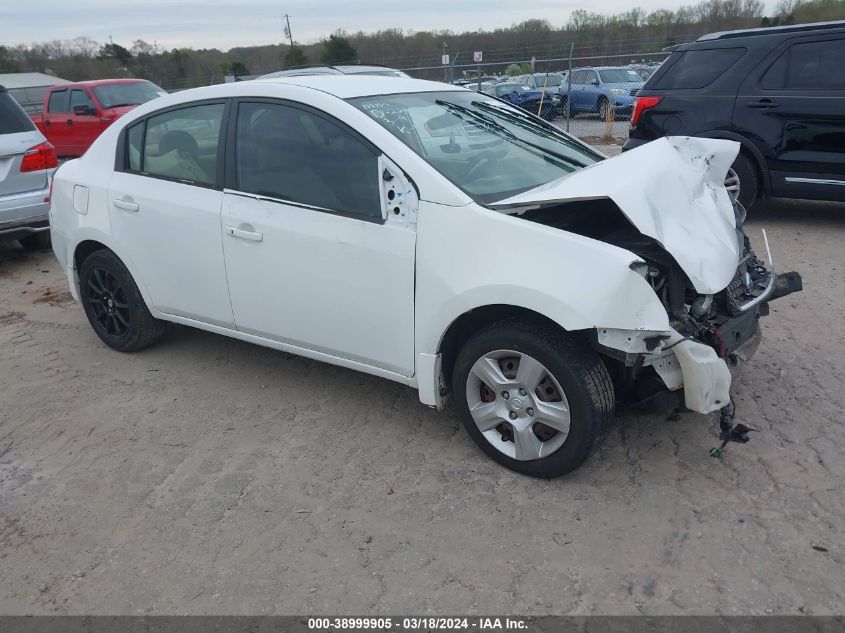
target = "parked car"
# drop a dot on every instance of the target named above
(779, 92)
(338, 218)
(601, 90)
(524, 97)
(27, 163)
(75, 114)
(644, 70)
(550, 83)
(342, 69)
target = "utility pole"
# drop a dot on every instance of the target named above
(445, 61)
(288, 34)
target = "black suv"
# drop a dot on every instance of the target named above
(779, 91)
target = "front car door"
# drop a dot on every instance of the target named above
(312, 261)
(577, 97)
(793, 108)
(83, 128)
(164, 207)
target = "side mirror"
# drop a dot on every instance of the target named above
(83, 110)
(595, 82)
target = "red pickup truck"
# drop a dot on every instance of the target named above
(75, 114)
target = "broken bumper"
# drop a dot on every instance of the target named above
(704, 377)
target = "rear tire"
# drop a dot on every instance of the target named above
(114, 305)
(36, 241)
(559, 405)
(743, 176)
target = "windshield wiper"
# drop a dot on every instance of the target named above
(492, 123)
(521, 119)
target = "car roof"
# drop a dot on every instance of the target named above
(773, 30)
(358, 85)
(93, 83)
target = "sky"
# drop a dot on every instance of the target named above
(225, 24)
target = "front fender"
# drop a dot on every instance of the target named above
(471, 257)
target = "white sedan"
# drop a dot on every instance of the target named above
(426, 234)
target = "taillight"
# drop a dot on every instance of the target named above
(39, 158)
(641, 104)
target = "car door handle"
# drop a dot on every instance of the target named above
(46, 122)
(762, 103)
(70, 122)
(126, 205)
(252, 236)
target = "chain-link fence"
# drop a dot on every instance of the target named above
(589, 96)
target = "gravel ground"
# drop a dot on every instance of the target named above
(207, 475)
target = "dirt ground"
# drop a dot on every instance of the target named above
(210, 476)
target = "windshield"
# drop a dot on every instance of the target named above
(619, 76)
(124, 94)
(553, 80)
(487, 148)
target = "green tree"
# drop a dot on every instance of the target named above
(115, 51)
(295, 56)
(238, 68)
(513, 70)
(338, 50)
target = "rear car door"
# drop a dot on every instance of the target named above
(83, 121)
(576, 96)
(55, 122)
(311, 260)
(793, 107)
(164, 207)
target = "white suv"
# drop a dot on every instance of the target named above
(426, 234)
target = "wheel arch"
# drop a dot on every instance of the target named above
(91, 242)
(471, 321)
(750, 150)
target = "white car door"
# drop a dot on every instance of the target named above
(164, 209)
(311, 260)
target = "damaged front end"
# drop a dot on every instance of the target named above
(665, 202)
(712, 334)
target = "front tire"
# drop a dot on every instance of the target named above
(742, 182)
(114, 305)
(531, 397)
(603, 108)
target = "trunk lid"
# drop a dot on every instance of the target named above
(672, 190)
(12, 149)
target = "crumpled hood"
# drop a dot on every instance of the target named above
(672, 190)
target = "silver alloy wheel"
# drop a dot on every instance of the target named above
(518, 405)
(732, 184)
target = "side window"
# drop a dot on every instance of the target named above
(808, 66)
(699, 68)
(182, 144)
(79, 98)
(57, 102)
(288, 153)
(590, 77)
(578, 77)
(134, 142)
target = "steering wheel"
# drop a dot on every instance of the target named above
(483, 159)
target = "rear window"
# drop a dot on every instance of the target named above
(12, 117)
(698, 68)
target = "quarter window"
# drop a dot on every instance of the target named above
(699, 68)
(181, 144)
(808, 66)
(291, 154)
